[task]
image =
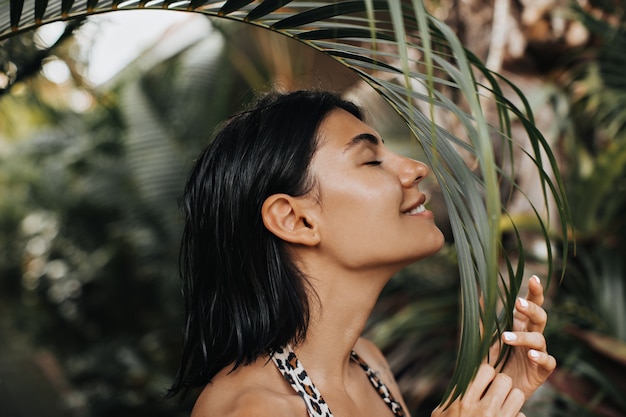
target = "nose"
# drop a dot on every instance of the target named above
(412, 172)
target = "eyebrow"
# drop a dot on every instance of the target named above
(360, 138)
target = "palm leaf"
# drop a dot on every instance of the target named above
(415, 62)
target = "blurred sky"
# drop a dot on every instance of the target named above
(112, 40)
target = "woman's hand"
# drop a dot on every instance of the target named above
(529, 364)
(489, 394)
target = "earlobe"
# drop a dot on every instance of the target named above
(285, 217)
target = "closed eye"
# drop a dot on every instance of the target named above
(373, 163)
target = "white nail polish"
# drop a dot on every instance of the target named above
(533, 354)
(536, 278)
(523, 302)
(509, 336)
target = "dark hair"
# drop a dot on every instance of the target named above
(244, 296)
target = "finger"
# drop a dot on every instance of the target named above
(530, 340)
(513, 403)
(495, 397)
(535, 291)
(543, 360)
(481, 381)
(529, 316)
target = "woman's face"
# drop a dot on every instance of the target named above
(370, 209)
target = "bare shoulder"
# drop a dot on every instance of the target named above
(255, 391)
(249, 403)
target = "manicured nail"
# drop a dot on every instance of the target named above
(533, 354)
(509, 336)
(536, 278)
(523, 302)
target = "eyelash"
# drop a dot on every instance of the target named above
(374, 163)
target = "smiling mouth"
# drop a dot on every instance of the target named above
(416, 210)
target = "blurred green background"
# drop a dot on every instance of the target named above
(97, 134)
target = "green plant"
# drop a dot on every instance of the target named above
(417, 64)
(588, 331)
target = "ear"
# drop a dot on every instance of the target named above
(286, 217)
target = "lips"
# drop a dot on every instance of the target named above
(417, 207)
(416, 210)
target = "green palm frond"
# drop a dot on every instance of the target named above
(416, 63)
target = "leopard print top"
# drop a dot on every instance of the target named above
(293, 371)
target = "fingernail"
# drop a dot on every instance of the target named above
(533, 353)
(523, 302)
(509, 336)
(536, 278)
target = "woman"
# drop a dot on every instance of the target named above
(296, 217)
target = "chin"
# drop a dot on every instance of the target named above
(436, 243)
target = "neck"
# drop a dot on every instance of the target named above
(340, 308)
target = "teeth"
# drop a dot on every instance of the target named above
(417, 209)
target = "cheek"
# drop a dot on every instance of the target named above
(358, 221)
(361, 207)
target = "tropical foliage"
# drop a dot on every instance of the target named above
(412, 321)
(374, 39)
(92, 228)
(591, 305)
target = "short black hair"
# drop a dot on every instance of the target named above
(244, 296)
